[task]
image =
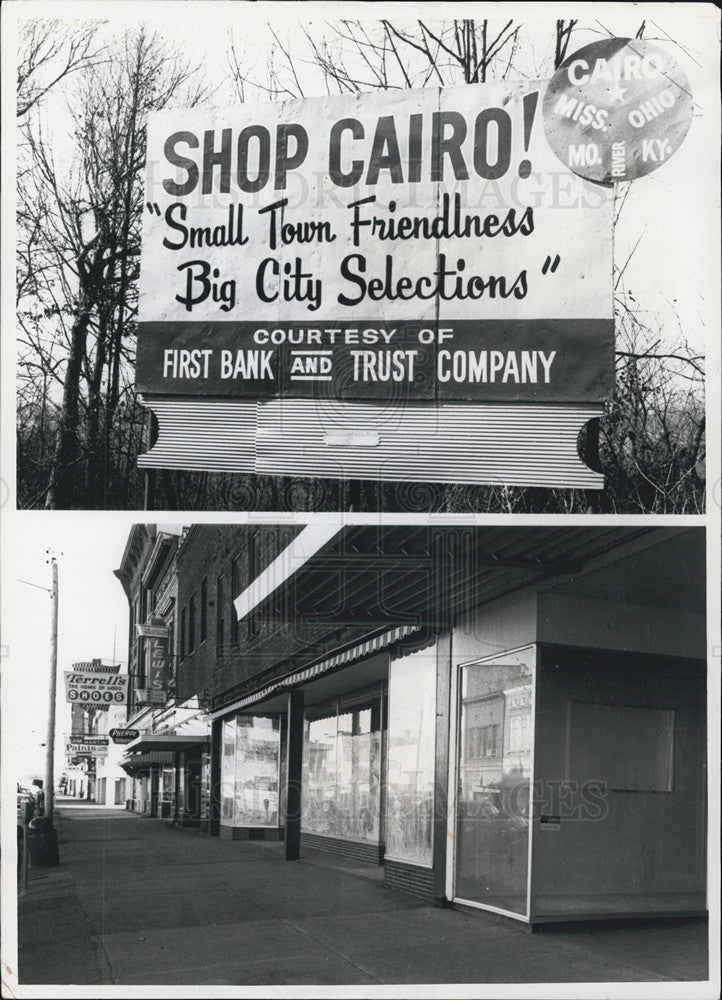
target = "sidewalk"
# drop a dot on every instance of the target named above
(136, 901)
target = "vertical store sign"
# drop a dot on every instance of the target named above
(397, 285)
(158, 662)
(156, 636)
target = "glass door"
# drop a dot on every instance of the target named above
(494, 762)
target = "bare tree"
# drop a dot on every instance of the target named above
(355, 56)
(563, 34)
(49, 52)
(80, 226)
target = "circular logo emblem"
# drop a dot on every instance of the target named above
(616, 110)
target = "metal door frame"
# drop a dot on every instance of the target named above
(453, 781)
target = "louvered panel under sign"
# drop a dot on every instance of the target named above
(203, 435)
(474, 443)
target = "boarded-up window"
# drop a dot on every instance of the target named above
(628, 747)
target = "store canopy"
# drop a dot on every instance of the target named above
(329, 595)
(143, 761)
(373, 575)
(160, 748)
(168, 741)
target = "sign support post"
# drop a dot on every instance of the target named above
(150, 474)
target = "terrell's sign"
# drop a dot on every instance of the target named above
(86, 687)
(387, 248)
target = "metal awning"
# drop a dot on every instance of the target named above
(344, 658)
(160, 748)
(338, 592)
(167, 741)
(143, 761)
(374, 576)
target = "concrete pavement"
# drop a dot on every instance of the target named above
(136, 901)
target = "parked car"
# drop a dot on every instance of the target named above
(34, 795)
(25, 808)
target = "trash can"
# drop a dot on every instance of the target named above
(43, 844)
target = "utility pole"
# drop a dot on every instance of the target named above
(44, 840)
(50, 745)
(44, 849)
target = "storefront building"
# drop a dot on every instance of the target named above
(511, 719)
(165, 762)
(505, 718)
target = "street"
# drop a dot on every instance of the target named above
(136, 901)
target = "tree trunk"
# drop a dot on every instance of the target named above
(63, 491)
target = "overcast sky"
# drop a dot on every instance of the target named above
(92, 618)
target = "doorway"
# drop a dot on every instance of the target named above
(490, 783)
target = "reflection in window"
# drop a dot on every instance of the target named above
(411, 748)
(483, 741)
(319, 775)
(258, 742)
(495, 751)
(228, 770)
(342, 770)
(249, 770)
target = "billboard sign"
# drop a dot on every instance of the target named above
(86, 687)
(392, 248)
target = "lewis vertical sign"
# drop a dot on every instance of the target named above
(156, 637)
(397, 285)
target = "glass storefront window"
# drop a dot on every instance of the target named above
(411, 751)
(228, 770)
(249, 770)
(258, 742)
(167, 792)
(318, 799)
(342, 769)
(205, 790)
(494, 781)
(358, 775)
